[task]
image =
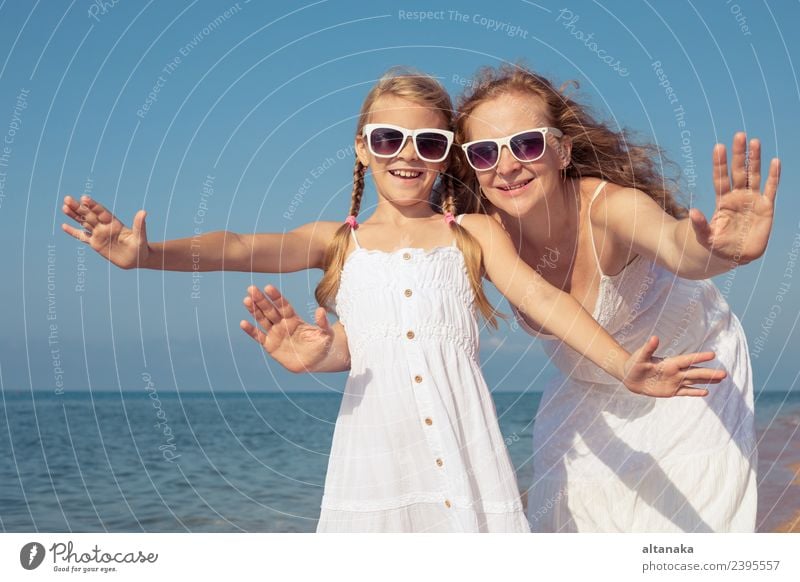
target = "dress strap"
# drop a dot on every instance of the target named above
(355, 239)
(591, 231)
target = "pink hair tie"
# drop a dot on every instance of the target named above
(351, 220)
(449, 218)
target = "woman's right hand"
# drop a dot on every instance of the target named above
(667, 377)
(126, 247)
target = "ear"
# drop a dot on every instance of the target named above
(564, 149)
(362, 152)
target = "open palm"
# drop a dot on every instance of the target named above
(664, 378)
(742, 221)
(296, 345)
(105, 233)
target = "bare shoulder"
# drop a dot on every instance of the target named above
(615, 204)
(480, 225)
(316, 238)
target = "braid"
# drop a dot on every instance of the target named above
(334, 258)
(473, 254)
(358, 188)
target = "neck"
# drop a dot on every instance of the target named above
(388, 211)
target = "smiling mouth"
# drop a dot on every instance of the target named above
(515, 186)
(405, 174)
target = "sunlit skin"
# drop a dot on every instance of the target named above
(303, 347)
(410, 196)
(517, 188)
(402, 218)
(548, 218)
(543, 215)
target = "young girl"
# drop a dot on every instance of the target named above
(417, 446)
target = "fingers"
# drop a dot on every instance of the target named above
(321, 319)
(722, 182)
(691, 392)
(139, 226)
(648, 349)
(701, 373)
(74, 232)
(279, 301)
(250, 304)
(703, 376)
(739, 161)
(253, 331)
(773, 178)
(754, 166)
(78, 212)
(688, 360)
(700, 225)
(70, 208)
(260, 307)
(103, 215)
(90, 221)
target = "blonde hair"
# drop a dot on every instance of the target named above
(426, 91)
(597, 150)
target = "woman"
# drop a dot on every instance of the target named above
(566, 186)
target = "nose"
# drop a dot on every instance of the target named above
(507, 163)
(408, 152)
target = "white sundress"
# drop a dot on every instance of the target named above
(417, 446)
(608, 460)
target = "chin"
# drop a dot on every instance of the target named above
(513, 206)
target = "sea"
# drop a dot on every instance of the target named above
(246, 462)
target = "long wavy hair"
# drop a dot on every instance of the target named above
(427, 91)
(597, 150)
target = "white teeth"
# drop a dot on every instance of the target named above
(515, 186)
(405, 173)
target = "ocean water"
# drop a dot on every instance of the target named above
(111, 462)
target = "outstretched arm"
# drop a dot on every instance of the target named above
(560, 314)
(128, 248)
(293, 343)
(694, 248)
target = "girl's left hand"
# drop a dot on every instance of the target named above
(740, 227)
(664, 378)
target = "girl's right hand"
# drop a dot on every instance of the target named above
(293, 343)
(125, 247)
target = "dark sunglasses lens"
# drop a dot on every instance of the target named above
(385, 141)
(432, 146)
(528, 146)
(482, 155)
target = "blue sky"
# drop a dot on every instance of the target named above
(143, 104)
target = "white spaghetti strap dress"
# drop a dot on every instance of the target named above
(608, 460)
(417, 446)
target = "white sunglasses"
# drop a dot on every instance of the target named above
(525, 146)
(386, 141)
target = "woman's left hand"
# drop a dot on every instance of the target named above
(664, 378)
(740, 227)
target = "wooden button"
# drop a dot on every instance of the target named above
(429, 421)
(407, 292)
(439, 462)
(410, 335)
(447, 503)
(418, 379)
(406, 256)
